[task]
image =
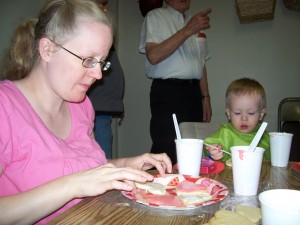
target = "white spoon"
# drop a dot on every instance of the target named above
(217, 148)
(257, 137)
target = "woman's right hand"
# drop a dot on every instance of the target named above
(98, 180)
(49, 197)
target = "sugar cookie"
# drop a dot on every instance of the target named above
(251, 213)
(225, 217)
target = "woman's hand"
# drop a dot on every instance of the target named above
(98, 180)
(49, 197)
(216, 154)
(147, 161)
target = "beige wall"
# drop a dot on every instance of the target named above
(267, 51)
(11, 14)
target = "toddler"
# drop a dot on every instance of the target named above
(245, 109)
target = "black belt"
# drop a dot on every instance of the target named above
(177, 81)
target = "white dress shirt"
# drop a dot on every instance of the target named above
(186, 62)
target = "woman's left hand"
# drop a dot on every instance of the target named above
(147, 161)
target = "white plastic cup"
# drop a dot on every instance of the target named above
(280, 206)
(189, 154)
(246, 166)
(280, 144)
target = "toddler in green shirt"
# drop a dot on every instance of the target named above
(245, 108)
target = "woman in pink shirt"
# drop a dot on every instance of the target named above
(49, 158)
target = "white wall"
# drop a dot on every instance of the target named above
(267, 51)
(134, 135)
(13, 12)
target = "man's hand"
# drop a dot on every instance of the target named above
(199, 22)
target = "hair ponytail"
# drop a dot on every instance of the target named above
(20, 57)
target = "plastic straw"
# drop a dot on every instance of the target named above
(176, 127)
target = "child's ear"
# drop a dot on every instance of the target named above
(227, 111)
(262, 114)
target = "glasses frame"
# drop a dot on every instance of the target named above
(104, 65)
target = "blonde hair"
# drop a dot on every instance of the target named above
(245, 86)
(58, 21)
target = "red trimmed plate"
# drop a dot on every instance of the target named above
(296, 166)
(217, 190)
(219, 167)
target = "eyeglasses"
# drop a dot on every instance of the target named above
(88, 62)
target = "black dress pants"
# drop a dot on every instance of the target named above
(182, 97)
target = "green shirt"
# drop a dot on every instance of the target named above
(227, 136)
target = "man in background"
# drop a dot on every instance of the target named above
(169, 39)
(106, 95)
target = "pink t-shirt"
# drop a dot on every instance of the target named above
(30, 155)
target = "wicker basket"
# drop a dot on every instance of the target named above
(292, 4)
(250, 11)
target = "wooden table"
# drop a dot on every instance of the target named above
(114, 208)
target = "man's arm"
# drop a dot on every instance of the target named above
(207, 111)
(157, 52)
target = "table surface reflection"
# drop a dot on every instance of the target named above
(114, 208)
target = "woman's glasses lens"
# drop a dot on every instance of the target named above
(92, 62)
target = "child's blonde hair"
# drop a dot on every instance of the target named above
(245, 86)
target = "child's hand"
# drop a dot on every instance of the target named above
(215, 152)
